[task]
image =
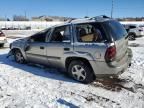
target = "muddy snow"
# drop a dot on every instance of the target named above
(33, 86)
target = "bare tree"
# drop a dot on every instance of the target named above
(20, 18)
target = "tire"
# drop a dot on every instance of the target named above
(19, 57)
(131, 36)
(81, 72)
(1, 45)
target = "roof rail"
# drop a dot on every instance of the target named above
(101, 16)
(69, 21)
(91, 18)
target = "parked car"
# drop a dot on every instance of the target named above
(85, 48)
(134, 30)
(3, 39)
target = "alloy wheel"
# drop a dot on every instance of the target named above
(78, 73)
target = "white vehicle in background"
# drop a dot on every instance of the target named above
(3, 39)
(134, 30)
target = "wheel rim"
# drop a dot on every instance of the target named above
(78, 73)
(131, 37)
(19, 57)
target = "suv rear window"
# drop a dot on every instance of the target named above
(131, 27)
(115, 29)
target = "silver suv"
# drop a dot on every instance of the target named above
(134, 30)
(85, 48)
(3, 39)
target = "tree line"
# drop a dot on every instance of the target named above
(51, 18)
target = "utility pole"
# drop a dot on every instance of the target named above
(112, 8)
(5, 17)
(25, 14)
(5, 20)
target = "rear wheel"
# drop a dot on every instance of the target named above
(19, 57)
(131, 36)
(1, 45)
(81, 72)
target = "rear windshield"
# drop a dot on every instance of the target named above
(115, 29)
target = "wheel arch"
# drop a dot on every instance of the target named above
(70, 59)
(132, 33)
(15, 49)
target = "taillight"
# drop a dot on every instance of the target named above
(110, 54)
(140, 30)
(1, 34)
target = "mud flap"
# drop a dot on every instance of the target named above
(130, 55)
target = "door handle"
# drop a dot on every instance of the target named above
(66, 49)
(41, 47)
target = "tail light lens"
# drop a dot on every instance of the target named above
(140, 30)
(110, 54)
(1, 34)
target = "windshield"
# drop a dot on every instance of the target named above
(115, 29)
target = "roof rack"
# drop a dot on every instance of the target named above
(97, 17)
(92, 18)
(69, 21)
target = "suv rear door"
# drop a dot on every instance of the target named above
(90, 41)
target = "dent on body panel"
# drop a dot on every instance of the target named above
(22, 49)
(79, 54)
(95, 50)
(100, 54)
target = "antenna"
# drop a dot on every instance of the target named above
(112, 8)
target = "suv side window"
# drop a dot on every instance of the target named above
(41, 36)
(90, 32)
(131, 27)
(61, 34)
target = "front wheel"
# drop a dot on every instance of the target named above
(19, 57)
(81, 72)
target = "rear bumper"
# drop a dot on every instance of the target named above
(140, 34)
(102, 69)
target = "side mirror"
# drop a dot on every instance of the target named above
(30, 40)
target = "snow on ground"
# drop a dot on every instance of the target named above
(133, 22)
(33, 86)
(24, 24)
(20, 33)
